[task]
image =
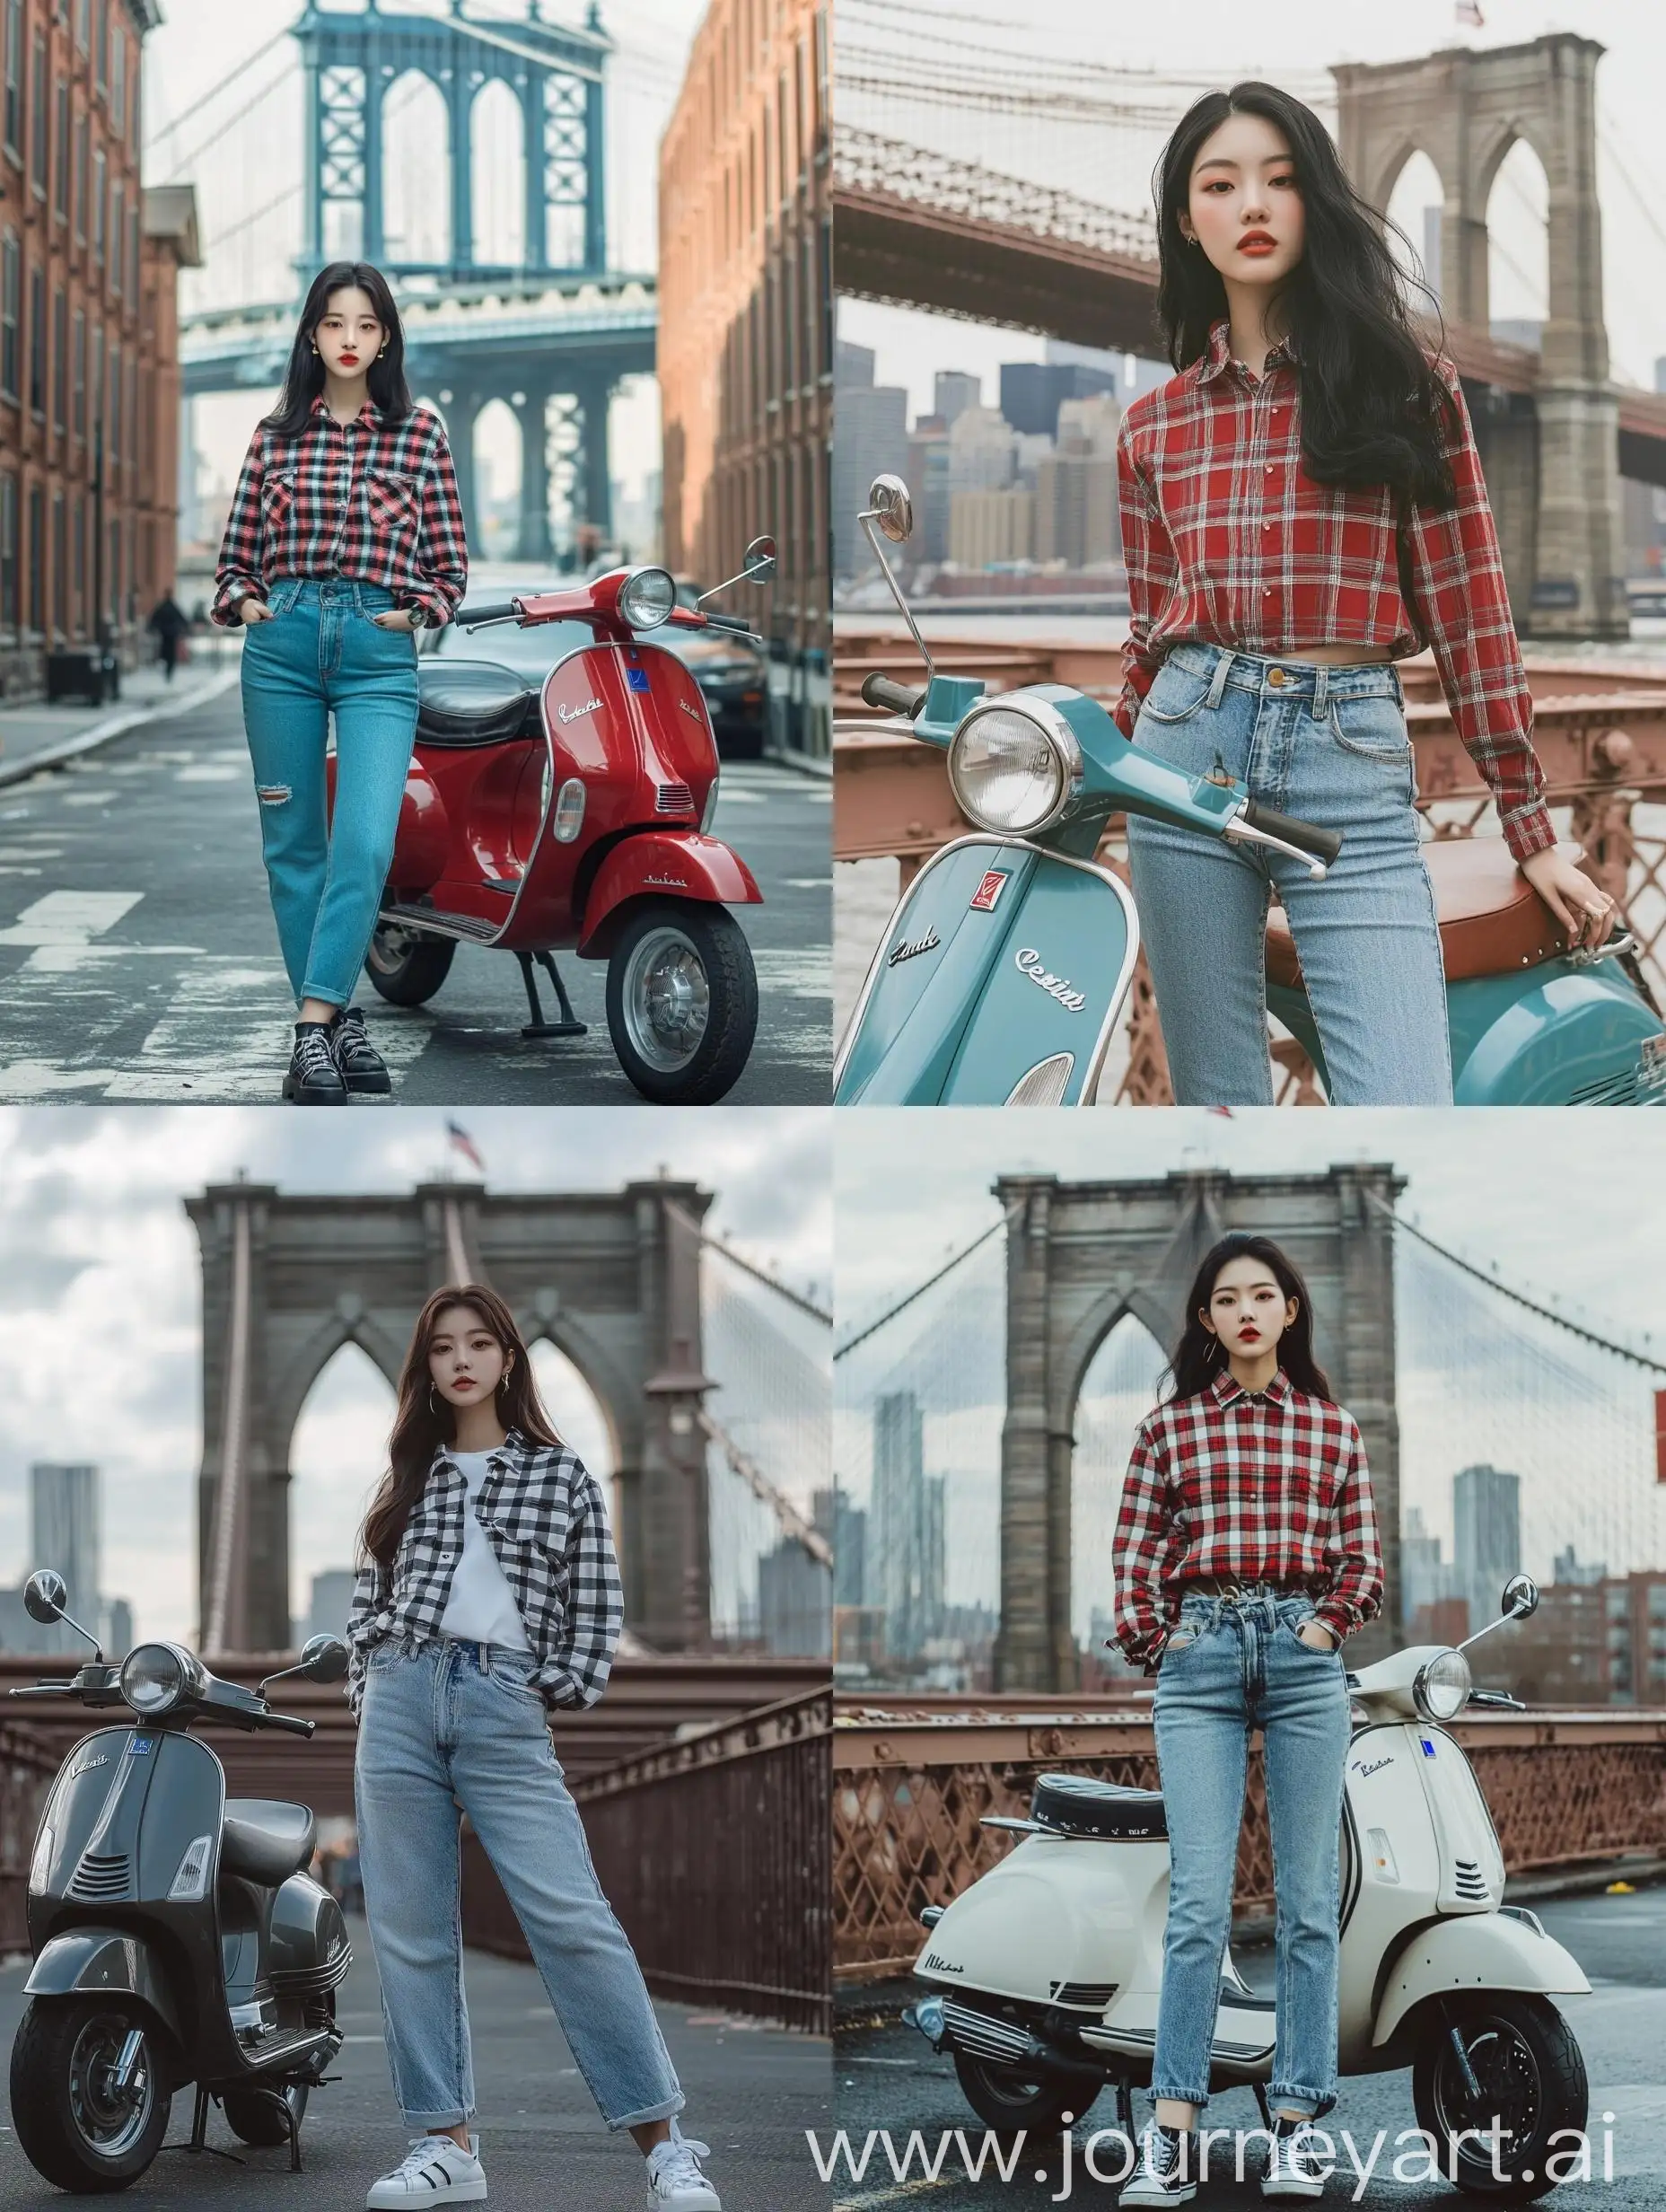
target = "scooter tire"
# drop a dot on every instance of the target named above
(46, 2053)
(1011, 2102)
(719, 944)
(1506, 2021)
(411, 975)
(253, 2120)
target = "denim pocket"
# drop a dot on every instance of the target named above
(1373, 727)
(510, 1671)
(381, 1655)
(1176, 695)
(1331, 1651)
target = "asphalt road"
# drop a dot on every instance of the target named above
(138, 959)
(888, 2078)
(752, 2091)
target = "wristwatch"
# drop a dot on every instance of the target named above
(418, 616)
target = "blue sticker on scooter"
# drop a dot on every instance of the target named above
(637, 678)
(138, 1744)
(1428, 1748)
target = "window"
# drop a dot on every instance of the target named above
(10, 307)
(60, 361)
(37, 111)
(117, 205)
(83, 15)
(113, 404)
(78, 419)
(60, 144)
(8, 552)
(133, 250)
(118, 77)
(81, 178)
(78, 535)
(98, 204)
(37, 341)
(96, 399)
(101, 43)
(60, 571)
(36, 556)
(13, 63)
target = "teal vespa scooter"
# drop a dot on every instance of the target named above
(1007, 960)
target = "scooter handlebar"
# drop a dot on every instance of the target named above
(880, 691)
(288, 1723)
(468, 617)
(1323, 844)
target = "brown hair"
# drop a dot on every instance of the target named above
(426, 1421)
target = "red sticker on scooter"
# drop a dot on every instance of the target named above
(989, 891)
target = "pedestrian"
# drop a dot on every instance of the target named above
(489, 1598)
(346, 537)
(1301, 505)
(169, 620)
(1245, 1550)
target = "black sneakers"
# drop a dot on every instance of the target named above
(314, 1078)
(1166, 2172)
(361, 1066)
(1295, 2164)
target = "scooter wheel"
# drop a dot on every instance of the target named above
(406, 965)
(1009, 2099)
(258, 2121)
(682, 1001)
(73, 2125)
(1531, 2075)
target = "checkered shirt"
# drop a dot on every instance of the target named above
(1228, 541)
(1259, 1484)
(544, 1517)
(371, 500)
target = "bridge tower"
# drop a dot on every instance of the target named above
(1080, 1255)
(1559, 506)
(556, 75)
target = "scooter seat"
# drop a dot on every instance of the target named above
(1491, 920)
(264, 1839)
(472, 703)
(1078, 1806)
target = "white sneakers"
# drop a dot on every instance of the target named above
(435, 2170)
(674, 2179)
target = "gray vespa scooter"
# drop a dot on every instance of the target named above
(176, 1935)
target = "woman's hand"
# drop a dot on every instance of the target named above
(252, 609)
(1585, 911)
(393, 618)
(1321, 1639)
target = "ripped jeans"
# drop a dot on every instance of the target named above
(320, 653)
(1232, 1664)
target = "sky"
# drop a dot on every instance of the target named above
(100, 1294)
(259, 161)
(1214, 42)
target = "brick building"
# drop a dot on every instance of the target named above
(745, 341)
(89, 356)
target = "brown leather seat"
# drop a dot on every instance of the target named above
(1492, 919)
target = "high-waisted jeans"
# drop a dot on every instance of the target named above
(1233, 1665)
(1329, 746)
(321, 653)
(446, 1721)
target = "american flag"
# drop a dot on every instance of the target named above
(465, 1144)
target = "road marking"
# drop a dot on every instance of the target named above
(70, 916)
(207, 772)
(799, 971)
(227, 1037)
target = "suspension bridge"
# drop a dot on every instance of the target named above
(984, 1416)
(464, 156)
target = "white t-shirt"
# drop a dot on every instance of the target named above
(481, 1606)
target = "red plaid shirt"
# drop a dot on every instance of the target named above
(1254, 1483)
(372, 501)
(1230, 542)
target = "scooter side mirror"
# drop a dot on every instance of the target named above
(892, 507)
(757, 562)
(1521, 1596)
(324, 1659)
(46, 1595)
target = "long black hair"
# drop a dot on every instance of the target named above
(1372, 408)
(303, 377)
(1199, 1356)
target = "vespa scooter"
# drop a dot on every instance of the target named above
(1045, 1975)
(575, 817)
(1007, 962)
(176, 1933)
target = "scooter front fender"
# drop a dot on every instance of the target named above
(102, 1961)
(999, 983)
(655, 863)
(1476, 1950)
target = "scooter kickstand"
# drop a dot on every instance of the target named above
(1267, 2109)
(569, 1025)
(199, 2130)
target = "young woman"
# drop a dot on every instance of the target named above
(345, 537)
(488, 1599)
(1246, 1549)
(1301, 505)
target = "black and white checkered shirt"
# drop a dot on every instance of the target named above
(544, 1516)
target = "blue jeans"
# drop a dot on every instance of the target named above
(446, 1721)
(1329, 745)
(1243, 1667)
(320, 651)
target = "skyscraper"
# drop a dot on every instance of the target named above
(1487, 1542)
(63, 1534)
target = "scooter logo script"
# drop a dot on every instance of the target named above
(1032, 964)
(572, 713)
(912, 947)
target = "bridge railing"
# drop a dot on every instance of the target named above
(714, 1852)
(27, 1766)
(912, 1781)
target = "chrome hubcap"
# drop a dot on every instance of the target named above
(109, 2120)
(667, 999)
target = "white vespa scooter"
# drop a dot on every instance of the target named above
(1051, 1964)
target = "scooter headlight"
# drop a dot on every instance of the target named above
(645, 599)
(1441, 1688)
(155, 1677)
(1014, 765)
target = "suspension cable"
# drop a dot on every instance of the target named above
(948, 1267)
(717, 1244)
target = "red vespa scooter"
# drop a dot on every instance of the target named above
(574, 817)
